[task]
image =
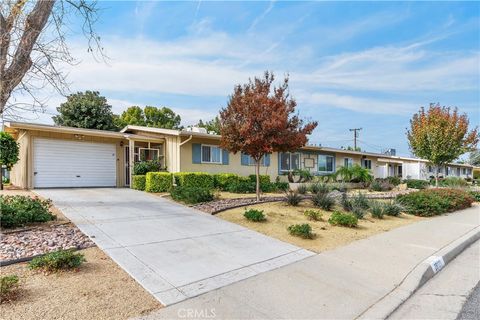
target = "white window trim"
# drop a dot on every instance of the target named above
(211, 146)
(333, 163)
(347, 162)
(365, 167)
(299, 161)
(140, 152)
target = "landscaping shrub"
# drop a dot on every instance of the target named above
(301, 230)
(475, 195)
(143, 167)
(293, 198)
(254, 215)
(346, 203)
(358, 212)
(58, 260)
(343, 219)
(314, 188)
(158, 182)
(282, 186)
(416, 183)
(16, 211)
(194, 180)
(476, 174)
(7, 286)
(394, 180)
(302, 189)
(324, 201)
(314, 215)
(453, 182)
(265, 184)
(377, 209)
(380, 185)
(223, 180)
(138, 182)
(432, 202)
(191, 195)
(392, 208)
(360, 201)
(241, 185)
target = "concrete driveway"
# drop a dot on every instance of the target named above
(173, 251)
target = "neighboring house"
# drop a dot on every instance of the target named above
(55, 156)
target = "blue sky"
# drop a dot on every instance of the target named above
(351, 64)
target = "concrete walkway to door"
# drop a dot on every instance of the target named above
(173, 251)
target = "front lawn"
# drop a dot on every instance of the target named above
(280, 216)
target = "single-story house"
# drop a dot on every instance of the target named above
(56, 156)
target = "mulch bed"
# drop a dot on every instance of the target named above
(25, 243)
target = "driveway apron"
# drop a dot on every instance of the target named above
(173, 251)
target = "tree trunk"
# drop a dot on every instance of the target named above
(1, 176)
(257, 173)
(436, 176)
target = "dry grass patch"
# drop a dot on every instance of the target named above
(230, 195)
(279, 216)
(98, 290)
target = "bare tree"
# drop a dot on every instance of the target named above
(33, 49)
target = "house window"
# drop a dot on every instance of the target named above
(458, 171)
(289, 161)
(348, 162)
(469, 171)
(147, 154)
(211, 154)
(248, 161)
(367, 163)
(430, 169)
(325, 163)
(464, 171)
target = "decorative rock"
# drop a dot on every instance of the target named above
(41, 240)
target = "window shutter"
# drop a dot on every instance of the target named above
(224, 157)
(244, 159)
(266, 160)
(196, 153)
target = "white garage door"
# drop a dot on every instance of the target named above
(67, 163)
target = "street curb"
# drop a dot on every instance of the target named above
(423, 272)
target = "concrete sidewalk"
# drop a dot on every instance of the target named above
(337, 284)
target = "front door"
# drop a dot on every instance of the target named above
(127, 166)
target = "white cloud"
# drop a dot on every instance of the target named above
(209, 63)
(396, 69)
(358, 104)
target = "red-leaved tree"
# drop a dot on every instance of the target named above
(260, 119)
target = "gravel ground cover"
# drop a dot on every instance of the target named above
(39, 240)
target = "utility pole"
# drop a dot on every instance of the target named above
(355, 136)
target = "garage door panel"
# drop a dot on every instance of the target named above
(66, 163)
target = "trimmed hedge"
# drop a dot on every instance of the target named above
(194, 180)
(158, 182)
(191, 195)
(416, 183)
(138, 182)
(223, 180)
(431, 202)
